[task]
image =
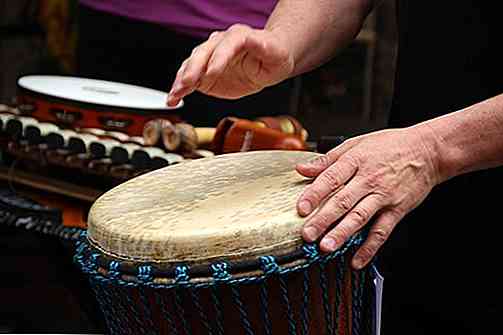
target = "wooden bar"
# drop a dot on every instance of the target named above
(50, 184)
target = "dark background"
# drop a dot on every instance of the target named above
(40, 288)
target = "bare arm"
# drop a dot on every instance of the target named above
(468, 140)
(299, 35)
(315, 31)
(384, 175)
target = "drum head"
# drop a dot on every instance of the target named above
(229, 207)
(98, 92)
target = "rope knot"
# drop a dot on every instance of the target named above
(220, 270)
(145, 274)
(82, 235)
(311, 252)
(93, 261)
(113, 270)
(80, 249)
(268, 264)
(182, 273)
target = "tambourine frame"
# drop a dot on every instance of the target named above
(79, 114)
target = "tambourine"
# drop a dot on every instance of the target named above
(89, 103)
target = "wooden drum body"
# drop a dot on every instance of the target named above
(213, 246)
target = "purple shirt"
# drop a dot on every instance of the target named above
(194, 17)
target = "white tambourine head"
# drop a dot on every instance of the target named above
(99, 92)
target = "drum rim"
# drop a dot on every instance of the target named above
(123, 272)
(91, 105)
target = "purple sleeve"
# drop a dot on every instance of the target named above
(193, 17)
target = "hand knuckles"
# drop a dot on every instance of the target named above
(343, 202)
(366, 252)
(331, 177)
(372, 181)
(340, 234)
(379, 235)
(323, 221)
(238, 27)
(313, 194)
(322, 161)
(188, 79)
(395, 214)
(359, 215)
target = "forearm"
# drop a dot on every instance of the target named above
(315, 30)
(467, 140)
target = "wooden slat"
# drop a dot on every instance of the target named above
(50, 184)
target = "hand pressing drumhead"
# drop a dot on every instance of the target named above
(378, 178)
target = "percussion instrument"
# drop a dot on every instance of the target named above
(188, 137)
(40, 212)
(15, 126)
(213, 246)
(285, 123)
(234, 134)
(89, 103)
(36, 133)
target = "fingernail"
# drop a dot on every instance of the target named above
(305, 207)
(310, 234)
(328, 244)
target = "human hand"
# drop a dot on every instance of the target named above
(381, 176)
(232, 64)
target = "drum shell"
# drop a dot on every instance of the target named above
(337, 301)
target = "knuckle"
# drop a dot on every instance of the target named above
(366, 252)
(379, 235)
(322, 222)
(322, 161)
(343, 201)
(331, 177)
(188, 79)
(360, 216)
(372, 181)
(238, 27)
(340, 234)
(395, 214)
(195, 50)
(214, 34)
(313, 194)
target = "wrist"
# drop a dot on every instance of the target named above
(433, 148)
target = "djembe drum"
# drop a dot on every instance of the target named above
(213, 246)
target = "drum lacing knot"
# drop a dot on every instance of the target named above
(79, 251)
(311, 252)
(268, 264)
(93, 261)
(79, 256)
(113, 270)
(145, 274)
(182, 273)
(220, 270)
